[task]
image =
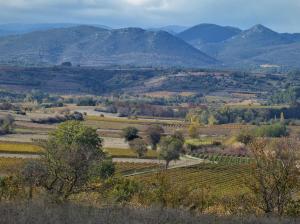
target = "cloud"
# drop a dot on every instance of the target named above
(281, 15)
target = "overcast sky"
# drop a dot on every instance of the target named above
(280, 15)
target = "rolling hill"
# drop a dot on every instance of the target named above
(255, 46)
(208, 33)
(92, 46)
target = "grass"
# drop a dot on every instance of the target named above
(11, 165)
(128, 153)
(15, 147)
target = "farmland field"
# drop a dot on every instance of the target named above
(221, 179)
(129, 168)
(15, 147)
(128, 153)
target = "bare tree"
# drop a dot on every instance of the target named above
(275, 176)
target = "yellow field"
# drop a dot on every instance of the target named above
(14, 147)
(128, 153)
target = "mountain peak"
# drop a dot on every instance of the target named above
(260, 29)
(208, 33)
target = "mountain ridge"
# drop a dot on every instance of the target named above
(88, 45)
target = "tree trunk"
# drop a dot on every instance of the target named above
(167, 164)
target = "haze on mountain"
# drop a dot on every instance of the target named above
(255, 46)
(203, 45)
(20, 28)
(92, 46)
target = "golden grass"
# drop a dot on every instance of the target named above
(15, 147)
(11, 165)
(128, 153)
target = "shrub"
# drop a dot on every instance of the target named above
(274, 130)
(6, 124)
(58, 118)
(130, 133)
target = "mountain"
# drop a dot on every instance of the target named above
(92, 46)
(18, 28)
(208, 33)
(172, 29)
(255, 46)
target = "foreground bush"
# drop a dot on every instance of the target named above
(37, 212)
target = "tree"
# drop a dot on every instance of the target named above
(275, 175)
(6, 124)
(245, 136)
(274, 130)
(193, 131)
(130, 133)
(282, 120)
(71, 154)
(154, 133)
(33, 175)
(170, 149)
(139, 146)
(212, 120)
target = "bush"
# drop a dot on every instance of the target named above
(130, 133)
(245, 137)
(274, 130)
(6, 124)
(88, 101)
(59, 118)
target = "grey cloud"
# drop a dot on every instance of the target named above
(281, 15)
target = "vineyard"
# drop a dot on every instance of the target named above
(223, 159)
(131, 168)
(128, 153)
(220, 179)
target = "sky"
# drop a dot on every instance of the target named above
(280, 15)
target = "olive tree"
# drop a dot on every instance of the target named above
(72, 152)
(154, 133)
(170, 149)
(139, 146)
